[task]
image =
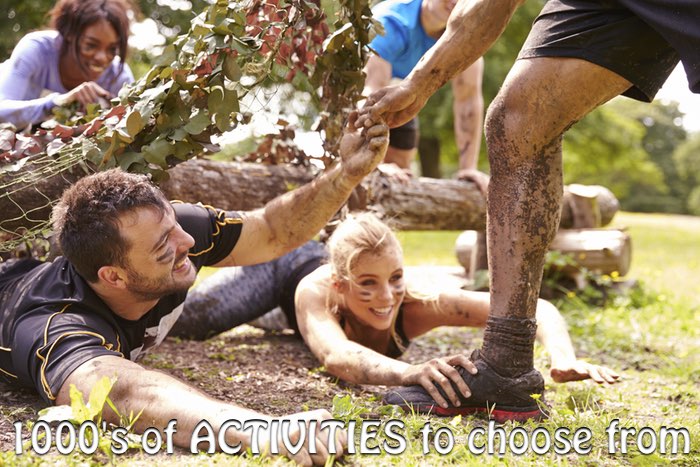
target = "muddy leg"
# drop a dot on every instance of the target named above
(540, 99)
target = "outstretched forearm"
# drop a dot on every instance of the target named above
(297, 216)
(553, 334)
(564, 366)
(471, 30)
(358, 364)
(159, 398)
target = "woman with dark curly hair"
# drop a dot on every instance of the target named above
(80, 59)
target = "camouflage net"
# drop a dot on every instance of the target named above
(195, 91)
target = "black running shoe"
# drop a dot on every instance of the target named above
(493, 395)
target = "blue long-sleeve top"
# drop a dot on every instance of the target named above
(30, 79)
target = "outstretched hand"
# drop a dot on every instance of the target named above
(86, 93)
(480, 179)
(396, 104)
(362, 149)
(441, 372)
(578, 370)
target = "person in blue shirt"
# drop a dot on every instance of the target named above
(411, 28)
(80, 59)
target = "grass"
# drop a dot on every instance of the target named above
(651, 335)
(666, 252)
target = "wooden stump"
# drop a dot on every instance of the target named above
(602, 251)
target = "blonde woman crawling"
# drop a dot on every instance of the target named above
(357, 308)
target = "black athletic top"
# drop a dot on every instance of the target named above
(51, 321)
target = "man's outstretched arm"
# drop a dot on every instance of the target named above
(160, 398)
(295, 217)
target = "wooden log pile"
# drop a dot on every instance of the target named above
(585, 211)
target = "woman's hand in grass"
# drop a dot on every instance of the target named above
(577, 370)
(441, 372)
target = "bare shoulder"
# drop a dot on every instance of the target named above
(314, 297)
(318, 282)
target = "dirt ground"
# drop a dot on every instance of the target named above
(271, 372)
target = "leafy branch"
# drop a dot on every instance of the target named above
(195, 87)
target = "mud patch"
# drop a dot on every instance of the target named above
(273, 373)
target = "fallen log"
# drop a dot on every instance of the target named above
(237, 186)
(419, 204)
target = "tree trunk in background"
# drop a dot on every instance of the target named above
(429, 156)
(28, 194)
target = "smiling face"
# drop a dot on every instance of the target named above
(157, 262)
(98, 44)
(376, 289)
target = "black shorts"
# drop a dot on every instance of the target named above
(405, 136)
(640, 40)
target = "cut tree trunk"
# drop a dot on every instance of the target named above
(602, 251)
(419, 204)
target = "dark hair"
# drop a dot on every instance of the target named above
(71, 17)
(86, 220)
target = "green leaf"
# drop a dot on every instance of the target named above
(183, 149)
(150, 100)
(158, 151)
(128, 159)
(134, 123)
(98, 396)
(198, 123)
(223, 121)
(91, 151)
(166, 73)
(224, 27)
(231, 104)
(179, 134)
(77, 404)
(231, 68)
(215, 99)
(166, 57)
(335, 41)
(201, 29)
